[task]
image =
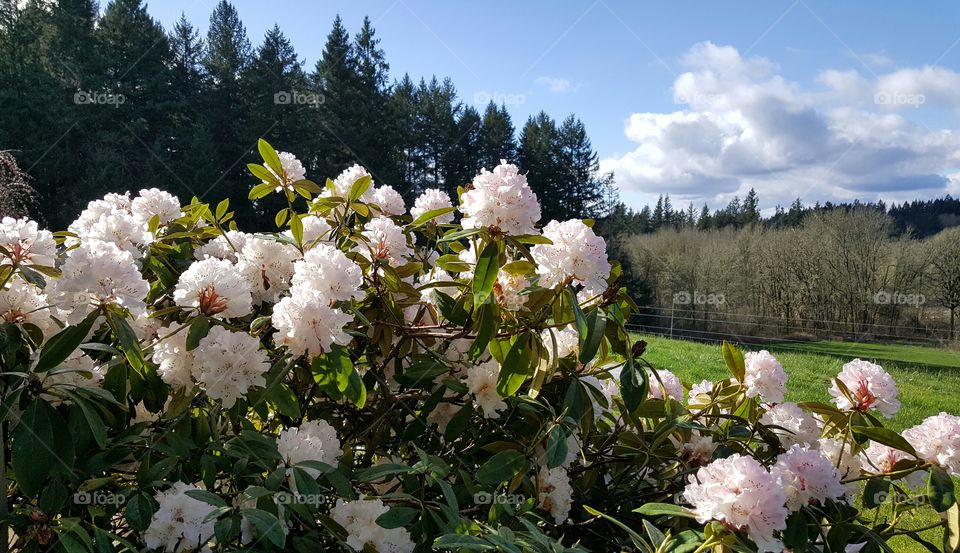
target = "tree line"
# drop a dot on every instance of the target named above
(840, 273)
(104, 103)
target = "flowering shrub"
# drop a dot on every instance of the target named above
(373, 380)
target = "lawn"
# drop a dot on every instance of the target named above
(926, 377)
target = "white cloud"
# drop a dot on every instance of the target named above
(554, 84)
(743, 125)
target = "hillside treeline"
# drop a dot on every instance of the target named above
(105, 102)
(843, 273)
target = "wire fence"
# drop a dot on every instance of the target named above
(710, 326)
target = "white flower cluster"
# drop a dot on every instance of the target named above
(359, 518)
(124, 221)
(807, 477)
(501, 198)
(800, 427)
(306, 321)
(24, 243)
(742, 494)
(98, 273)
(23, 303)
(432, 199)
(215, 288)
(267, 266)
(180, 522)
(664, 384)
(937, 441)
(228, 364)
(482, 383)
(174, 362)
(555, 493)
(291, 170)
(765, 377)
(871, 388)
(576, 253)
(389, 201)
(385, 242)
(311, 441)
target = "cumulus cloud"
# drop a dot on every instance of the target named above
(741, 124)
(557, 85)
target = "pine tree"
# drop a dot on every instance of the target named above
(658, 220)
(335, 79)
(538, 158)
(582, 190)
(751, 209)
(496, 141)
(373, 138)
(704, 221)
(464, 155)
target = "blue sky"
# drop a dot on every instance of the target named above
(822, 100)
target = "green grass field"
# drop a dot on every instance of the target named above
(926, 377)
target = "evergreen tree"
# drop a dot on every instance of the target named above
(496, 140)
(538, 156)
(335, 79)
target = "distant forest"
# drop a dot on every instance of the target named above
(105, 103)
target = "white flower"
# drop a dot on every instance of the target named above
(99, 273)
(607, 387)
(267, 266)
(111, 220)
(430, 284)
(501, 198)
(458, 354)
(326, 271)
(385, 241)
(220, 247)
(155, 202)
(180, 522)
(508, 289)
(700, 393)
(293, 170)
(840, 456)
(482, 383)
(937, 440)
(26, 243)
(801, 428)
(175, 363)
(311, 441)
(567, 341)
(807, 477)
(227, 364)
(359, 519)
(23, 303)
(554, 493)
(389, 200)
(345, 181)
(577, 253)
(215, 287)
(882, 459)
(765, 377)
(76, 370)
(443, 413)
(699, 449)
(871, 386)
(664, 384)
(739, 492)
(306, 324)
(432, 199)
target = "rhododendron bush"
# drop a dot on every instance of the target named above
(455, 375)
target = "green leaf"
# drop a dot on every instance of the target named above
(199, 328)
(207, 497)
(875, 492)
(663, 509)
(270, 157)
(886, 437)
(37, 447)
(589, 344)
(487, 321)
(633, 385)
(502, 467)
(485, 273)
(284, 401)
(356, 391)
(334, 367)
(516, 367)
(267, 525)
(97, 428)
(430, 215)
(261, 190)
(63, 343)
(398, 517)
(733, 358)
(129, 343)
(456, 542)
(296, 228)
(940, 490)
(556, 447)
(139, 511)
(378, 472)
(359, 187)
(951, 530)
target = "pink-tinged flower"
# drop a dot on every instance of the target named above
(741, 494)
(799, 427)
(937, 440)
(807, 477)
(882, 458)
(871, 388)
(664, 384)
(765, 377)
(501, 198)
